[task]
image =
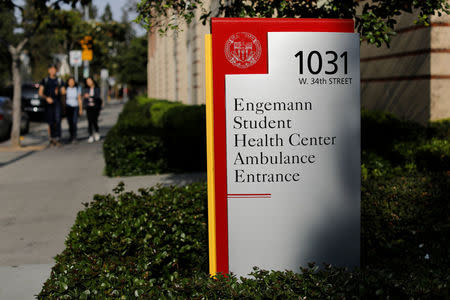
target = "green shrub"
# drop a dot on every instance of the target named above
(158, 109)
(403, 145)
(142, 100)
(440, 129)
(155, 136)
(154, 244)
(178, 141)
(434, 155)
(138, 153)
(131, 244)
(185, 137)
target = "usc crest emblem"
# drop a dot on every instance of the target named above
(243, 50)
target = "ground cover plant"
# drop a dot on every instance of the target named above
(153, 244)
(156, 136)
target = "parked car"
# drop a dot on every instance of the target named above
(6, 119)
(31, 102)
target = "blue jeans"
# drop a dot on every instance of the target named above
(53, 116)
(72, 119)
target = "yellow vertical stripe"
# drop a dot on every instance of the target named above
(210, 156)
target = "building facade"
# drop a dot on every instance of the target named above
(411, 78)
(176, 64)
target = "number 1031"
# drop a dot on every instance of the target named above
(315, 63)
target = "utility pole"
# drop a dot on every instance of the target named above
(75, 59)
(86, 62)
(86, 54)
(104, 75)
(76, 73)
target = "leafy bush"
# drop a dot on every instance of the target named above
(133, 154)
(153, 245)
(185, 137)
(159, 109)
(154, 136)
(404, 144)
(129, 244)
(434, 155)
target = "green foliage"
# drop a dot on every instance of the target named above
(142, 100)
(391, 146)
(159, 109)
(153, 245)
(375, 20)
(92, 11)
(185, 137)
(59, 32)
(107, 14)
(133, 63)
(134, 146)
(434, 155)
(24, 25)
(155, 14)
(149, 136)
(62, 30)
(129, 244)
(6, 33)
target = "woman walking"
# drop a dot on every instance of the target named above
(73, 107)
(92, 103)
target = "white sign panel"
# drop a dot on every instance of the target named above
(293, 155)
(104, 74)
(75, 58)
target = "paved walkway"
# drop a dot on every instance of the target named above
(40, 195)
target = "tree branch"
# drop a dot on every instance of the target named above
(22, 44)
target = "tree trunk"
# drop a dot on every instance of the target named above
(17, 92)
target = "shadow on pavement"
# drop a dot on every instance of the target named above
(15, 159)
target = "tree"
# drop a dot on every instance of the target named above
(107, 14)
(92, 11)
(6, 31)
(62, 31)
(133, 62)
(31, 13)
(59, 32)
(375, 20)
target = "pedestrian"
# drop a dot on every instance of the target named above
(50, 89)
(74, 107)
(92, 102)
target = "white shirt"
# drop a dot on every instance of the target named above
(72, 96)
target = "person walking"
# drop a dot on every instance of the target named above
(92, 102)
(74, 107)
(50, 89)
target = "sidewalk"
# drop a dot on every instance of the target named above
(40, 195)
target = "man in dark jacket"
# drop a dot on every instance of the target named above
(51, 89)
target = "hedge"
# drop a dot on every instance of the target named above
(149, 135)
(153, 244)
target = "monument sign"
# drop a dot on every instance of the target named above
(283, 111)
